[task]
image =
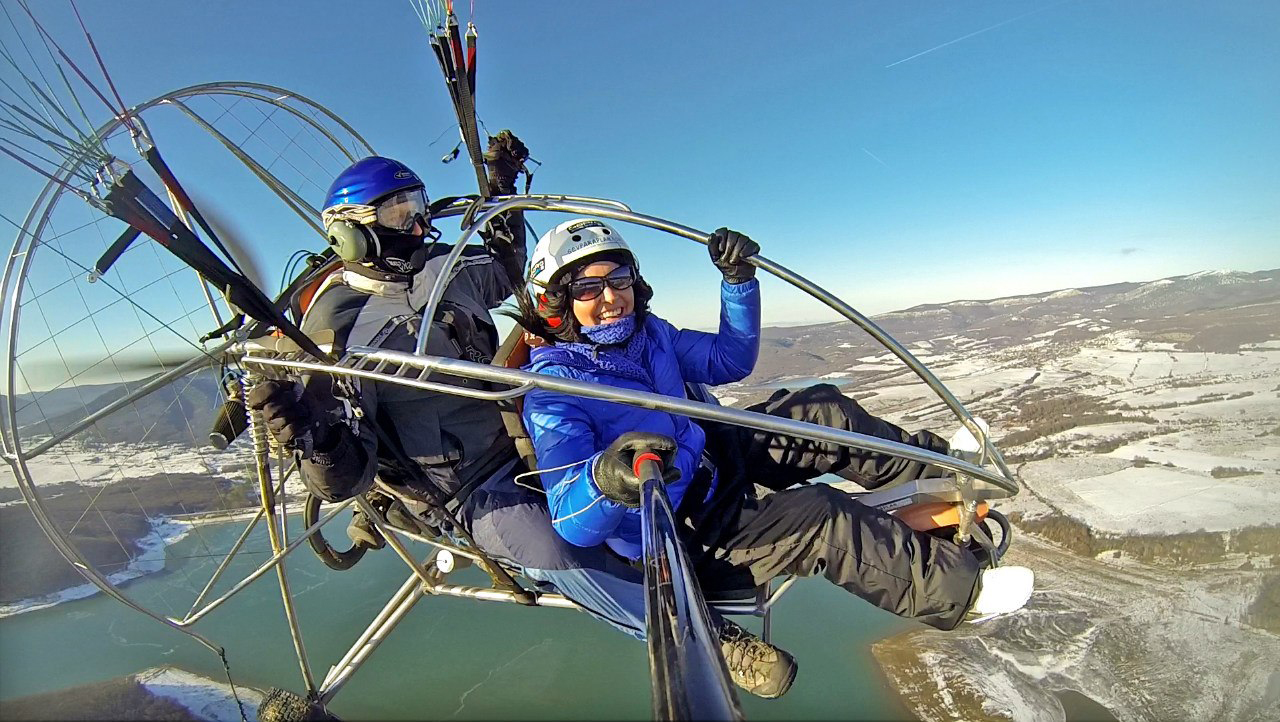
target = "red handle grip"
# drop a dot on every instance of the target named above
(643, 457)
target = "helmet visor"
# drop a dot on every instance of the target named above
(399, 211)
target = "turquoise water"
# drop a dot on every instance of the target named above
(450, 658)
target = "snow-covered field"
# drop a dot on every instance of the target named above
(1179, 441)
(1192, 414)
(96, 464)
(1143, 642)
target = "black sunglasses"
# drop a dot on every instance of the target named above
(586, 289)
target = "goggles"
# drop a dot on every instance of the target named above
(590, 288)
(399, 211)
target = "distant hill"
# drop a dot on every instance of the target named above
(179, 413)
(1206, 311)
(33, 407)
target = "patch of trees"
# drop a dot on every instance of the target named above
(1265, 610)
(116, 699)
(1226, 472)
(1043, 452)
(106, 524)
(1201, 399)
(1042, 427)
(1197, 547)
(1045, 414)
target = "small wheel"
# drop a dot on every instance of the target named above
(281, 705)
(332, 558)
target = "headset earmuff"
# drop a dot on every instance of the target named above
(351, 241)
(544, 310)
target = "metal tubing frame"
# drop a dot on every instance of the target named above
(11, 286)
(258, 432)
(262, 568)
(415, 383)
(13, 453)
(235, 548)
(558, 203)
(687, 672)
(405, 598)
(611, 210)
(393, 541)
(646, 400)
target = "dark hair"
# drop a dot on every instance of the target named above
(537, 317)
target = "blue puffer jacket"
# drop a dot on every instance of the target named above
(571, 431)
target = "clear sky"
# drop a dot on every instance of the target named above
(896, 153)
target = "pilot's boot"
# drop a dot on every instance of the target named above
(755, 665)
(964, 446)
(363, 533)
(1003, 590)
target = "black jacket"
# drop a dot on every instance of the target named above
(457, 441)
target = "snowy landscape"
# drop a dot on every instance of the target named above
(1143, 421)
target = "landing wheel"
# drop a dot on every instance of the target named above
(281, 705)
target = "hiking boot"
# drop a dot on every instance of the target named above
(755, 665)
(1004, 590)
(363, 533)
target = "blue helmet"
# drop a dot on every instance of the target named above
(370, 179)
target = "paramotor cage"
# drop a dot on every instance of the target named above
(974, 482)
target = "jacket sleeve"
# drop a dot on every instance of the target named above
(730, 355)
(506, 252)
(347, 467)
(563, 435)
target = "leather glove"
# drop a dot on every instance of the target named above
(613, 468)
(292, 417)
(729, 252)
(505, 159)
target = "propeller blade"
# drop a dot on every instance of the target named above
(131, 365)
(232, 236)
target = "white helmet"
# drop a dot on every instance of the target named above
(570, 242)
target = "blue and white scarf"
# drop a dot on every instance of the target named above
(616, 348)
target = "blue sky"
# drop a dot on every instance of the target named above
(896, 153)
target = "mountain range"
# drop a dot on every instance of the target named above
(1207, 311)
(1214, 311)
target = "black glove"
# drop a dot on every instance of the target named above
(505, 159)
(729, 251)
(613, 469)
(291, 416)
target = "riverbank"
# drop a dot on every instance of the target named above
(164, 531)
(151, 559)
(1101, 638)
(161, 693)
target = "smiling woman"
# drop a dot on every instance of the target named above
(602, 293)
